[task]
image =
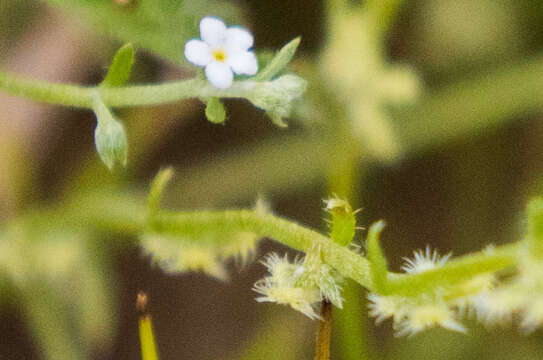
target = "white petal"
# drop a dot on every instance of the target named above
(198, 52)
(243, 62)
(219, 75)
(212, 30)
(239, 38)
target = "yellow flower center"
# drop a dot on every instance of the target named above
(219, 55)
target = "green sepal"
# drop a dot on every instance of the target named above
(279, 61)
(120, 68)
(378, 262)
(109, 136)
(215, 112)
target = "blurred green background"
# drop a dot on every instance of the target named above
(470, 156)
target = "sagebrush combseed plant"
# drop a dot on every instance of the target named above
(49, 250)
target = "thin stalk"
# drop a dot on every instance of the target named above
(82, 97)
(324, 332)
(344, 176)
(382, 13)
(350, 323)
(147, 338)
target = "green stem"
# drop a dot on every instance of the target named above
(127, 214)
(350, 323)
(82, 97)
(453, 272)
(382, 14)
(48, 322)
(197, 224)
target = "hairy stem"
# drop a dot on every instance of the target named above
(127, 214)
(197, 224)
(454, 272)
(82, 97)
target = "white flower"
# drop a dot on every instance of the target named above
(411, 316)
(384, 307)
(424, 261)
(281, 286)
(425, 316)
(222, 51)
(302, 284)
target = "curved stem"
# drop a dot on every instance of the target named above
(82, 97)
(127, 214)
(453, 272)
(197, 224)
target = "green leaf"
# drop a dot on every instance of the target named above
(109, 136)
(120, 68)
(378, 262)
(215, 112)
(157, 187)
(279, 61)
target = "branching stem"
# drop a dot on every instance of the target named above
(125, 214)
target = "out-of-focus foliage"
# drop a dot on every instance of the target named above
(161, 26)
(57, 274)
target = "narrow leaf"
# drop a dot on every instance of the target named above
(120, 68)
(147, 338)
(215, 112)
(378, 263)
(157, 187)
(109, 136)
(279, 61)
(277, 120)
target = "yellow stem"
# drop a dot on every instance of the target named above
(147, 338)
